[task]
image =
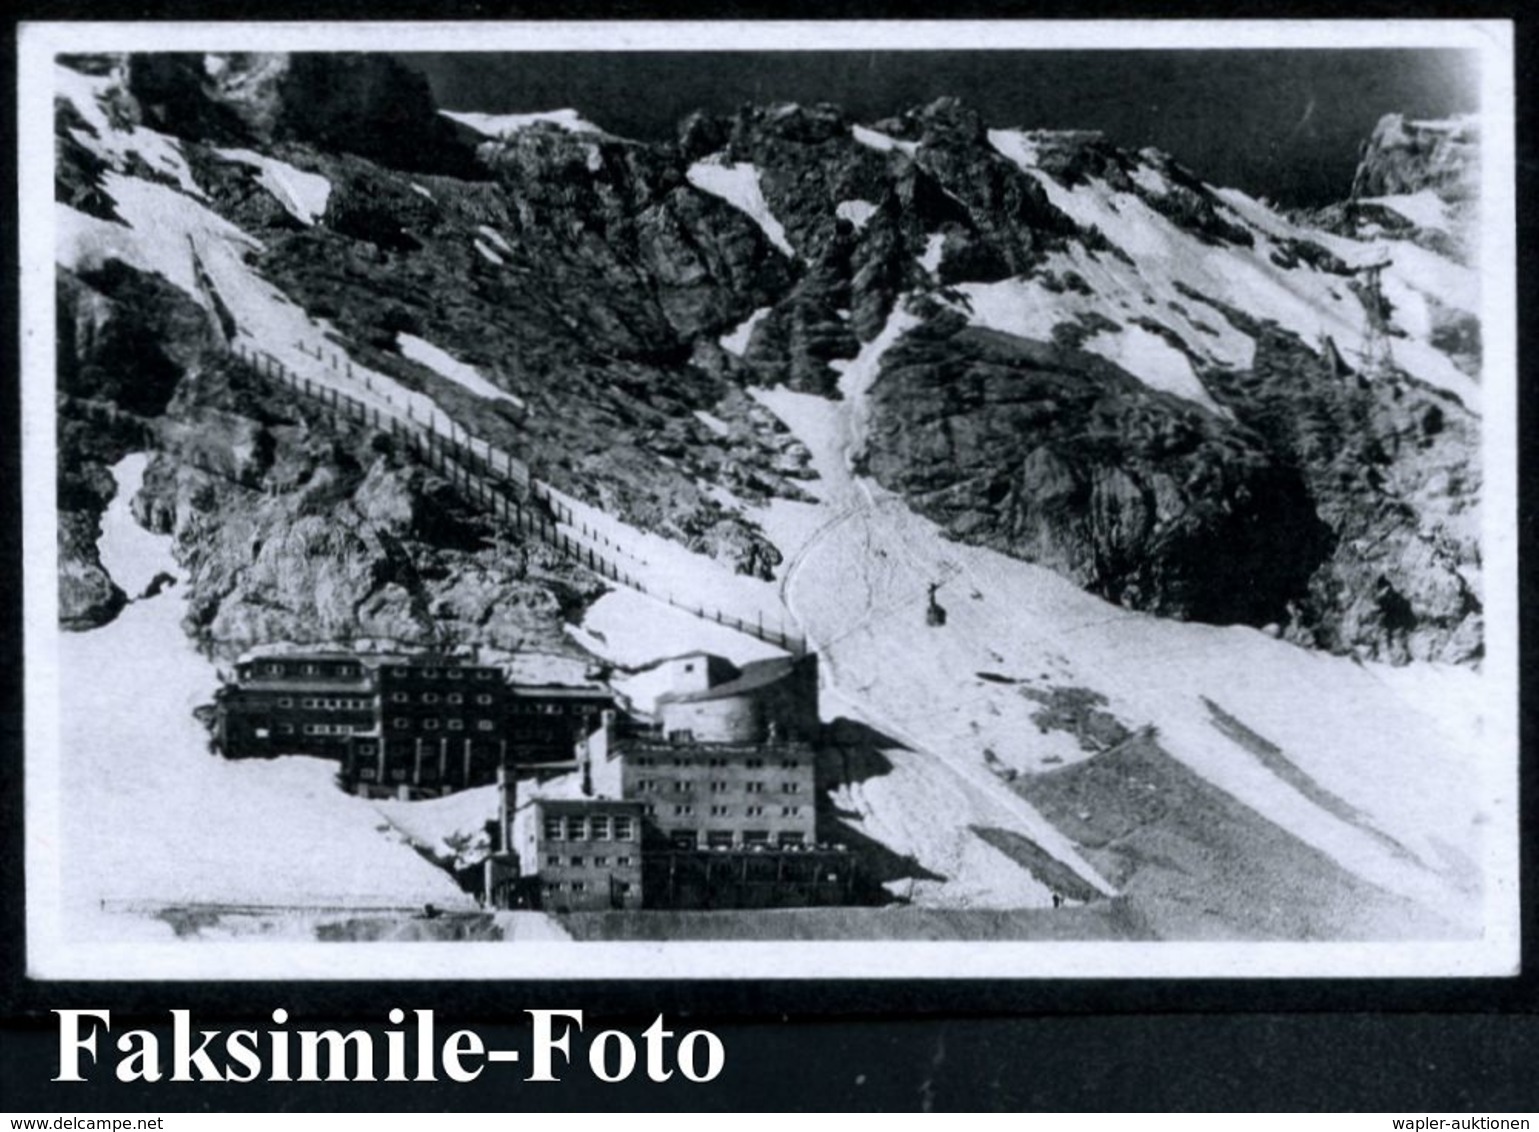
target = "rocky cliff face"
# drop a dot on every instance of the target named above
(1407, 156)
(1155, 387)
(1053, 454)
(327, 534)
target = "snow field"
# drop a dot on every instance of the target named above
(114, 145)
(151, 818)
(1363, 774)
(1425, 209)
(1301, 299)
(1156, 361)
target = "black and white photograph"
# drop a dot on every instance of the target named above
(841, 501)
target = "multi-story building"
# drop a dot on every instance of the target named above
(547, 720)
(301, 703)
(713, 795)
(405, 725)
(721, 774)
(580, 855)
(442, 726)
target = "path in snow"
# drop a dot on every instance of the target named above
(1394, 796)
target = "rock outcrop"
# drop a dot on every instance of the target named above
(1405, 156)
(1056, 456)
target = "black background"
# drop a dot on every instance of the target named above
(1297, 1045)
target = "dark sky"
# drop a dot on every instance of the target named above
(1283, 124)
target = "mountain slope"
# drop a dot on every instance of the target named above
(812, 372)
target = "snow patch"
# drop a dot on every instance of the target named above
(163, 229)
(1017, 147)
(501, 125)
(495, 237)
(632, 630)
(1150, 180)
(303, 195)
(873, 139)
(737, 342)
(714, 423)
(446, 365)
(857, 212)
(738, 185)
(1425, 209)
(421, 191)
(487, 253)
(131, 555)
(1155, 362)
(934, 247)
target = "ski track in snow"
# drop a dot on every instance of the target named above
(858, 567)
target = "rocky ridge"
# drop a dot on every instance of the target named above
(598, 284)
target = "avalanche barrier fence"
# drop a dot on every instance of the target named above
(489, 478)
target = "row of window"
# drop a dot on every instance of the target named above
(277, 668)
(620, 888)
(401, 723)
(438, 673)
(593, 827)
(685, 811)
(553, 860)
(329, 703)
(272, 668)
(524, 707)
(429, 773)
(717, 786)
(434, 697)
(725, 838)
(309, 729)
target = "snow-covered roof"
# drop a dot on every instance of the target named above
(750, 678)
